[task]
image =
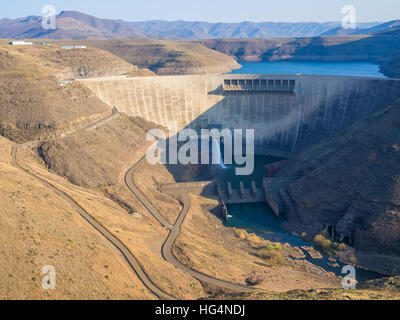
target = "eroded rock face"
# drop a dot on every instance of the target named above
(351, 182)
(391, 68)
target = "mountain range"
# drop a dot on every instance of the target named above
(387, 26)
(178, 30)
(77, 25)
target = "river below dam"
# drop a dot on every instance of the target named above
(259, 219)
(361, 69)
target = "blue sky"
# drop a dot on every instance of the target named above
(212, 10)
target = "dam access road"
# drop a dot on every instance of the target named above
(309, 110)
(122, 248)
(167, 249)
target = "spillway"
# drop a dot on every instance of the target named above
(287, 112)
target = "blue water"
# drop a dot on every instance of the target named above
(259, 219)
(227, 173)
(361, 69)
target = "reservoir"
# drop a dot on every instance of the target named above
(361, 69)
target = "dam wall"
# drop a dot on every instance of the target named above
(287, 112)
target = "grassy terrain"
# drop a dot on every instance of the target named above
(96, 158)
(207, 246)
(32, 105)
(143, 236)
(37, 229)
(75, 64)
(165, 57)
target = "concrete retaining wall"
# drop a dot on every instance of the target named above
(321, 107)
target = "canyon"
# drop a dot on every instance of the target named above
(305, 119)
(339, 136)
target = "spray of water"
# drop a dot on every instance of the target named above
(217, 154)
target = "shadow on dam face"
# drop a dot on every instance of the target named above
(285, 121)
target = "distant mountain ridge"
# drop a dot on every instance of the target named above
(188, 30)
(77, 25)
(70, 25)
(387, 26)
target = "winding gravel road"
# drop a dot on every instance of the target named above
(167, 249)
(129, 257)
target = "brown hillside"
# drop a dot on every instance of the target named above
(352, 182)
(98, 157)
(37, 228)
(166, 57)
(83, 63)
(33, 105)
(77, 64)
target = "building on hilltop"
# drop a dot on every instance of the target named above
(65, 82)
(20, 43)
(73, 47)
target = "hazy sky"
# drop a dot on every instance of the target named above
(212, 10)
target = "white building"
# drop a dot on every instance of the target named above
(73, 47)
(65, 82)
(20, 43)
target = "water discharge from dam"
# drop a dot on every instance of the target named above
(217, 154)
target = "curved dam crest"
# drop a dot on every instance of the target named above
(287, 112)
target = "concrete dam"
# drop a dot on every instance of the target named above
(287, 112)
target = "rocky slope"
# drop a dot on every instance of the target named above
(352, 182)
(335, 48)
(33, 105)
(375, 48)
(38, 228)
(96, 158)
(82, 63)
(166, 57)
(382, 289)
(26, 92)
(392, 67)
